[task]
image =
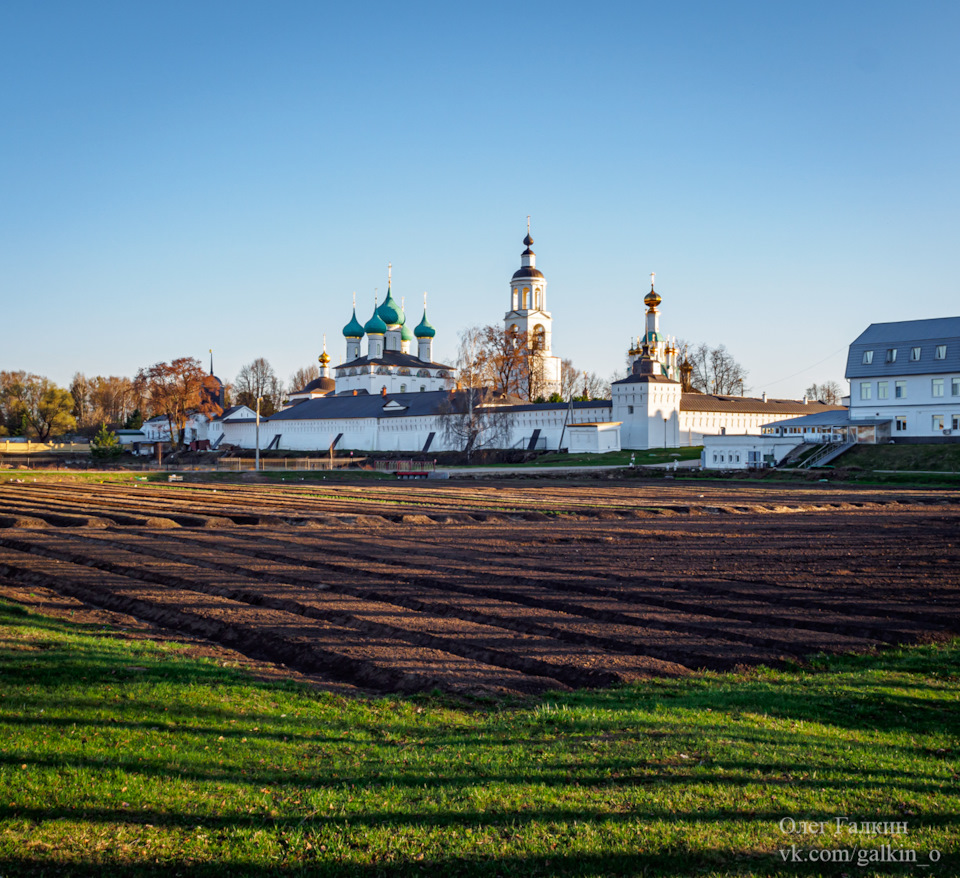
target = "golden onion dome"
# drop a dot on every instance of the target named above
(652, 299)
(324, 358)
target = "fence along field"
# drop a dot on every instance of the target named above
(499, 588)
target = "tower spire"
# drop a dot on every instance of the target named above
(211, 361)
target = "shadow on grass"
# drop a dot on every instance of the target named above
(872, 720)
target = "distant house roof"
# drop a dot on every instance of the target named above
(903, 336)
(710, 402)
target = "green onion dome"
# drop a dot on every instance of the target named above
(353, 329)
(375, 326)
(424, 329)
(406, 334)
(390, 311)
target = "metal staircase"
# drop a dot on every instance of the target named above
(826, 453)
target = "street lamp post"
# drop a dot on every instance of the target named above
(256, 464)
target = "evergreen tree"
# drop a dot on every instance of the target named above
(105, 445)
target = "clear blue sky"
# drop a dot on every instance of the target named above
(180, 176)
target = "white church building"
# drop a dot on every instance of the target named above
(394, 397)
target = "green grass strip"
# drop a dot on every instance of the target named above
(127, 757)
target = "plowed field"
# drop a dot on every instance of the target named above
(499, 587)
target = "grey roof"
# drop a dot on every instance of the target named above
(646, 378)
(904, 335)
(393, 358)
(364, 406)
(553, 406)
(226, 413)
(832, 418)
(709, 402)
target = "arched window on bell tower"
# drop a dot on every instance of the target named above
(539, 337)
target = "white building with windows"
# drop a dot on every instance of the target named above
(908, 374)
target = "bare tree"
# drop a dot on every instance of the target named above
(80, 391)
(711, 370)
(471, 358)
(471, 422)
(258, 380)
(594, 387)
(303, 376)
(829, 392)
(570, 379)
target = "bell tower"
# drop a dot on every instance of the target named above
(530, 320)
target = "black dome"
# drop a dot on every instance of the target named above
(326, 384)
(526, 271)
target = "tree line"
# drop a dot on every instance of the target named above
(35, 407)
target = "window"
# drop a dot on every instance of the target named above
(914, 354)
(891, 355)
(941, 352)
(900, 389)
(867, 358)
(936, 387)
(955, 386)
(901, 423)
(955, 422)
(629, 409)
(882, 390)
(864, 390)
(936, 422)
(403, 388)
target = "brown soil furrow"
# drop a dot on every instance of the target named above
(388, 501)
(666, 644)
(574, 592)
(295, 590)
(693, 640)
(310, 645)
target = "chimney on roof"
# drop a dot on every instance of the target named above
(804, 400)
(764, 397)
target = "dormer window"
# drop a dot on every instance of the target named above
(867, 358)
(891, 355)
(941, 352)
(914, 355)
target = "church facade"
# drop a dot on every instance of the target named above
(394, 397)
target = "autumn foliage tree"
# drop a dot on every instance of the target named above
(500, 360)
(33, 405)
(100, 399)
(174, 390)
